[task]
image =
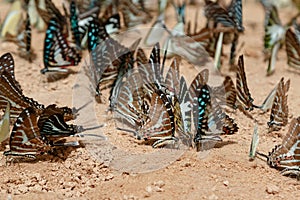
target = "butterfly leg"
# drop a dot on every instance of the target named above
(233, 51)
(291, 171)
(165, 141)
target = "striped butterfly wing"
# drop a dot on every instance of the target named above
(280, 111)
(243, 93)
(230, 92)
(25, 139)
(57, 52)
(182, 110)
(292, 44)
(113, 24)
(113, 60)
(217, 14)
(143, 66)
(185, 99)
(229, 126)
(25, 48)
(23, 40)
(235, 10)
(219, 121)
(74, 24)
(54, 127)
(212, 120)
(287, 155)
(195, 88)
(201, 109)
(50, 12)
(161, 127)
(132, 14)
(172, 79)
(150, 70)
(178, 95)
(53, 109)
(7, 63)
(226, 93)
(96, 35)
(126, 62)
(10, 92)
(131, 103)
(198, 82)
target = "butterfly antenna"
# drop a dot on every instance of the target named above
(165, 57)
(76, 110)
(262, 155)
(81, 129)
(166, 28)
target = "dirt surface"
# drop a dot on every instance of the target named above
(100, 170)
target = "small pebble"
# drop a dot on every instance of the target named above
(159, 183)
(272, 189)
(226, 183)
(149, 189)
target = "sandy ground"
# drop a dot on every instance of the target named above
(100, 170)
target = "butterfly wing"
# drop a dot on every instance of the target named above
(10, 92)
(287, 155)
(25, 138)
(292, 49)
(279, 112)
(5, 124)
(243, 93)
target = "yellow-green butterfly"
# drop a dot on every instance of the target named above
(4, 124)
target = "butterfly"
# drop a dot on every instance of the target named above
(209, 119)
(25, 139)
(243, 93)
(23, 40)
(172, 85)
(146, 111)
(279, 111)
(292, 43)
(145, 104)
(231, 16)
(226, 93)
(286, 157)
(54, 129)
(268, 102)
(57, 53)
(161, 126)
(254, 142)
(12, 21)
(132, 14)
(35, 18)
(110, 60)
(274, 35)
(11, 91)
(4, 124)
